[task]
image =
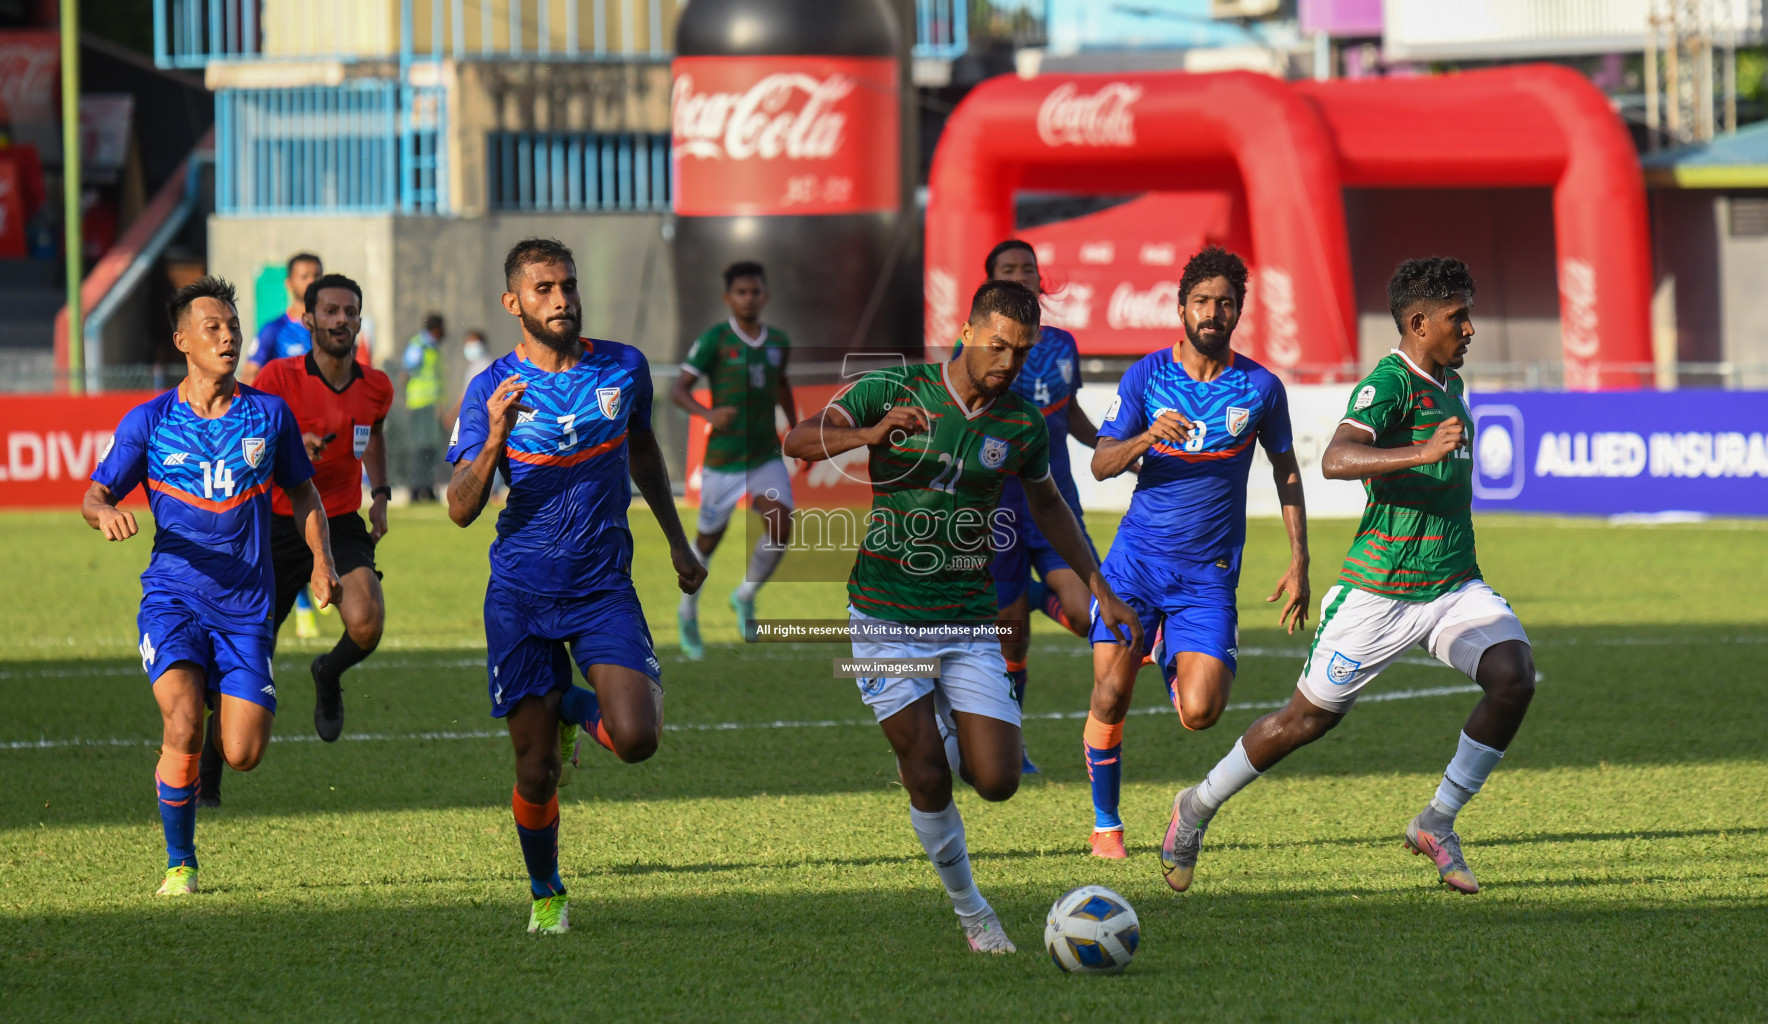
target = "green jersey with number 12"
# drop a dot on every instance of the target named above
(935, 496)
(1415, 542)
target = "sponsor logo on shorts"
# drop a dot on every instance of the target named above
(994, 452)
(1342, 670)
(609, 401)
(1237, 418)
(147, 652)
(253, 449)
(269, 691)
(1365, 397)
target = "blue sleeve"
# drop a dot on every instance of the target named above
(123, 466)
(1126, 417)
(293, 468)
(1073, 357)
(263, 345)
(640, 368)
(473, 425)
(1274, 433)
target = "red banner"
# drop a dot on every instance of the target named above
(53, 442)
(785, 135)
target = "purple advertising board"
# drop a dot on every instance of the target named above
(1610, 453)
(1341, 17)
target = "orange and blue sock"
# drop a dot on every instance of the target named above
(581, 706)
(537, 826)
(1050, 603)
(175, 779)
(1104, 746)
(1016, 673)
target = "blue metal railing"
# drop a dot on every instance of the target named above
(368, 146)
(942, 28)
(578, 171)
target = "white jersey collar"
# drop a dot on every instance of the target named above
(1444, 383)
(755, 342)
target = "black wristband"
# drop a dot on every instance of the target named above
(382, 492)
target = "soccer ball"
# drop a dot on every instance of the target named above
(1092, 930)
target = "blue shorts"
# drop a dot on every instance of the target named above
(1195, 611)
(234, 657)
(527, 636)
(1030, 551)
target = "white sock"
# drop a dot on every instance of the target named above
(1231, 774)
(1465, 775)
(948, 735)
(942, 836)
(762, 563)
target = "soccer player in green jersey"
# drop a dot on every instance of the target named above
(1410, 578)
(743, 362)
(943, 439)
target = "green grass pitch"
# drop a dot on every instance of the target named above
(769, 873)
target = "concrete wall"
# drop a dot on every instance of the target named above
(1743, 280)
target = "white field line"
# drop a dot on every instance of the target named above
(826, 723)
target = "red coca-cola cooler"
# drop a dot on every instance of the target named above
(787, 150)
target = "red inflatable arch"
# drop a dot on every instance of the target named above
(1290, 147)
(1152, 132)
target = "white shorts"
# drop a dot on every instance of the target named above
(720, 491)
(1362, 633)
(972, 677)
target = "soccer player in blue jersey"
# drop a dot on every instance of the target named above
(285, 335)
(1190, 414)
(1050, 380)
(568, 420)
(209, 452)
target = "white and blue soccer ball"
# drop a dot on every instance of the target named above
(1092, 930)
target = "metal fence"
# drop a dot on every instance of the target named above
(370, 146)
(578, 171)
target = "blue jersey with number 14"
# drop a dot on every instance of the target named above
(208, 484)
(1189, 506)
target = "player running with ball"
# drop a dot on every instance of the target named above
(567, 419)
(944, 439)
(1410, 578)
(209, 452)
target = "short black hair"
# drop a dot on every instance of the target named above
(534, 250)
(303, 257)
(434, 323)
(330, 281)
(205, 287)
(741, 269)
(1214, 261)
(1008, 298)
(1437, 279)
(1009, 245)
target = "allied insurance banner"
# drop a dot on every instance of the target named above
(1611, 453)
(49, 445)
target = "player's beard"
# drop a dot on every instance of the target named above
(1214, 349)
(332, 345)
(558, 335)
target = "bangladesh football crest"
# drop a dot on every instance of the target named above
(1341, 670)
(253, 449)
(609, 401)
(994, 452)
(1237, 418)
(775, 355)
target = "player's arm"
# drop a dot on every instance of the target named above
(1286, 472)
(374, 463)
(651, 474)
(1112, 456)
(311, 523)
(1081, 426)
(1053, 516)
(1352, 455)
(832, 432)
(99, 508)
(470, 486)
(681, 395)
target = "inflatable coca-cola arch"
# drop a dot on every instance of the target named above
(1288, 149)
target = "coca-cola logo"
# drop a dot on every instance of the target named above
(29, 68)
(941, 308)
(1103, 118)
(1577, 297)
(1097, 252)
(1154, 309)
(789, 114)
(1276, 304)
(1071, 308)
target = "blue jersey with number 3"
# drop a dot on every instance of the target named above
(208, 486)
(563, 532)
(1190, 500)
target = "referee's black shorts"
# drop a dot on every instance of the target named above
(352, 548)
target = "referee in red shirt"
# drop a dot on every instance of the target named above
(340, 406)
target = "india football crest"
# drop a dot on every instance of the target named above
(1237, 418)
(994, 452)
(1067, 366)
(608, 399)
(253, 449)
(1341, 670)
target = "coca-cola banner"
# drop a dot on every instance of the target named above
(785, 135)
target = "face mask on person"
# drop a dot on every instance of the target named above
(473, 350)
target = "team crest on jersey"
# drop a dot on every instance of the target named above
(1067, 367)
(253, 449)
(609, 401)
(775, 356)
(1365, 397)
(1237, 418)
(994, 452)
(1341, 670)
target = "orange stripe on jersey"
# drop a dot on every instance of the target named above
(572, 459)
(1056, 406)
(207, 504)
(1226, 453)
